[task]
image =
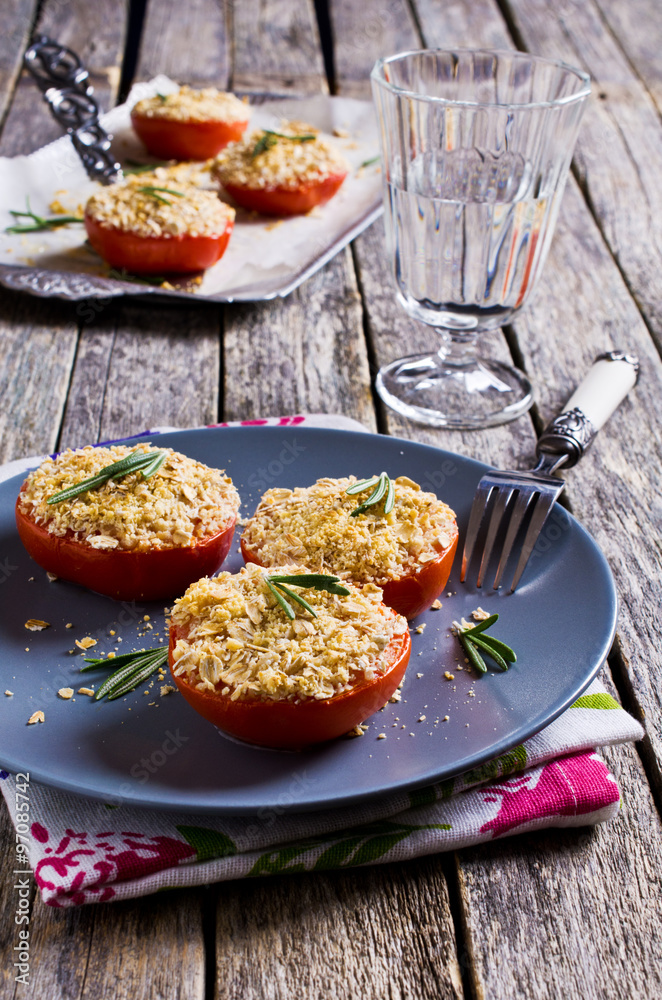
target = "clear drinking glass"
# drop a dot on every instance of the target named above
(476, 147)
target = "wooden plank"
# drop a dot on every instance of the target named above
(37, 347)
(96, 33)
(377, 932)
(303, 355)
(634, 27)
(17, 30)
(619, 150)
(190, 44)
(585, 901)
(276, 48)
(139, 367)
(364, 33)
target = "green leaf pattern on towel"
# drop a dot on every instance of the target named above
(208, 843)
(359, 846)
(508, 763)
(601, 699)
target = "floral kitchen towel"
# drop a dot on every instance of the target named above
(84, 851)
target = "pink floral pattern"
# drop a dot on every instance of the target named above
(571, 786)
(80, 866)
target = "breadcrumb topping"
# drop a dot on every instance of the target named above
(239, 642)
(190, 105)
(313, 526)
(183, 502)
(134, 206)
(283, 164)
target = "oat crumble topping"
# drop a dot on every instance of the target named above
(124, 206)
(284, 165)
(312, 525)
(190, 105)
(240, 642)
(182, 502)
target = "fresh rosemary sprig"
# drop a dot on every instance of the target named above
(135, 167)
(474, 640)
(40, 224)
(132, 669)
(145, 462)
(384, 486)
(269, 138)
(153, 191)
(278, 585)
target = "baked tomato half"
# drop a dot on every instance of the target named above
(409, 595)
(287, 725)
(126, 575)
(169, 139)
(140, 254)
(286, 201)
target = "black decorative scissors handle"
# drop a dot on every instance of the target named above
(64, 82)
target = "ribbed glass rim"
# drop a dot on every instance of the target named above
(379, 78)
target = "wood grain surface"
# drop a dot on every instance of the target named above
(571, 913)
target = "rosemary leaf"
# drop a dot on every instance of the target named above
(384, 485)
(135, 461)
(475, 639)
(153, 191)
(40, 224)
(481, 626)
(500, 647)
(490, 650)
(295, 597)
(369, 163)
(364, 484)
(138, 677)
(318, 581)
(473, 655)
(269, 138)
(389, 503)
(136, 669)
(287, 608)
(134, 167)
(154, 465)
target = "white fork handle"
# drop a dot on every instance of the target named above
(590, 406)
(605, 387)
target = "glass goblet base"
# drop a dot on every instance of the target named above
(468, 396)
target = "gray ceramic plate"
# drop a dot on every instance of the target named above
(561, 622)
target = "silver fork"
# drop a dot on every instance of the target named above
(511, 495)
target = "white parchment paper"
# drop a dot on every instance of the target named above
(265, 257)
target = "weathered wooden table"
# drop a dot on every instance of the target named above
(558, 914)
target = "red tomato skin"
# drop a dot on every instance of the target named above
(284, 725)
(137, 254)
(182, 140)
(156, 574)
(410, 595)
(285, 201)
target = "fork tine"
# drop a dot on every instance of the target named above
(504, 494)
(478, 507)
(519, 511)
(541, 511)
